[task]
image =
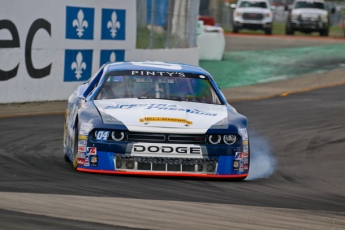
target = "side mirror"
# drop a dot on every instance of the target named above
(333, 10)
(273, 8)
(288, 7)
(233, 6)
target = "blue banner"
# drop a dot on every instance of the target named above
(111, 56)
(79, 22)
(113, 24)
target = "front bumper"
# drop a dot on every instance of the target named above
(164, 174)
(216, 161)
(265, 23)
(308, 25)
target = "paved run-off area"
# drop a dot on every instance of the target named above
(241, 68)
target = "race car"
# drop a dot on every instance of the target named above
(155, 119)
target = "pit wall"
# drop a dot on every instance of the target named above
(49, 47)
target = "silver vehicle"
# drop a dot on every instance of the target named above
(308, 16)
(253, 15)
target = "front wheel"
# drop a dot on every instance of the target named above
(75, 147)
(66, 158)
(268, 31)
(235, 29)
(324, 33)
(289, 31)
(64, 143)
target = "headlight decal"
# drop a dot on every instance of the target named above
(214, 139)
(229, 139)
(101, 135)
(117, 135)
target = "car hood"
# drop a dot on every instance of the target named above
(309, 11)
(152, 115)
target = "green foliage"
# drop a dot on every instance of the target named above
(143, 39)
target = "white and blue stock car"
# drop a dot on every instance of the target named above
(155, 118)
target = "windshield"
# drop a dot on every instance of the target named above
(310, 5)
(194, 89)
(245, 4)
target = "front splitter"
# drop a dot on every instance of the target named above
(164, 174)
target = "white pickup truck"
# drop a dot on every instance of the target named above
(308, 16)
(252, 15)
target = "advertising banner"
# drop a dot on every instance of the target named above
(49, 47)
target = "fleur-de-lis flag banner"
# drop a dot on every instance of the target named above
(79, 22)
(78, 65)
(111, 56)
(113, 24)
(80, 26)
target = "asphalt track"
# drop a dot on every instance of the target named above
(299, 138)
(296, 181)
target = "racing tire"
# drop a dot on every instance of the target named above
(75, 147)
(289, 31)
(324, 33)
(268, 31)
(66, 158)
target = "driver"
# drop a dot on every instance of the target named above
(114, 88)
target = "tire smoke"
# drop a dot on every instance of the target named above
(262, 162)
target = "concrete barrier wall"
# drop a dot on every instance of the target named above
(49, 47)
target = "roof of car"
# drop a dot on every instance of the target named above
(253, 0)
(156, 66)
